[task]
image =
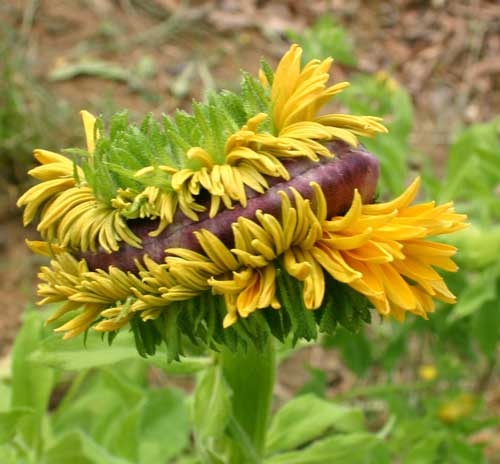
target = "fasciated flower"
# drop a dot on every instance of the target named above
(239, 221)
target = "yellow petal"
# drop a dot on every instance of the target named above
(88, 126)
(398, 203)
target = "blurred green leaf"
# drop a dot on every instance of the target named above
(186, 365)
(324, 39)
(473, 171)
(31, 383)
(395, 347)
(380, 95)
(74, 355)
(121, 437)
(9, 421)
(164, 426)
(461, 452)
(478, 292)
(307, 417)
(5, 394)
(486, 327)
(76, 447)
(316, 384)
(211, 404)
(425, 450)
(354, 448)
(9, 454)
(355, 349)
(479, 246)
(102, 69)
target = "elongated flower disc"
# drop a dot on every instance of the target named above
(233, 223)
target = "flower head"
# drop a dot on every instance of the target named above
(235, 222)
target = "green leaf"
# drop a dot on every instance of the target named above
(355, 349)
(102, 69)
(486, 327)
(290, 296)
(425, 450)
(5, 390)
(122, 434)
(317, 383)
(9, 422)
(307, 417)
(461, 452)
(396, 346)
(211, 404)
(74, 355)
(479, 291)
(324, 39)
(100, 402)
(164, 426)
(186, 366)
(76, 447)
(354, 448)
(9, 455)
(31, 383)
(473, 170)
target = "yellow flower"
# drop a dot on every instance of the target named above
(379, 250)
(457, 408)
(298, 94)
(72, 216)
(251, 153)
(427, 372)
(383, 251)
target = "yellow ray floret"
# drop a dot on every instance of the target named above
(392, 257)
(382, 251)
(71, 215)
(250, 153)
(299, 93)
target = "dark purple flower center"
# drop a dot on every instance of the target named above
(352, 168)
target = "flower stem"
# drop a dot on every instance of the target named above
(251, 376)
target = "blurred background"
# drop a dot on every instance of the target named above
(430, 68)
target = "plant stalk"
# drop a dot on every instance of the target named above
(251, 376)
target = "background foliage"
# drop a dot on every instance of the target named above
(420, 391)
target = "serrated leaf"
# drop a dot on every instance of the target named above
(290, 295)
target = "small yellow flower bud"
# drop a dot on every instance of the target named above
(427, 372)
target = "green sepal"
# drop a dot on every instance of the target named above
(169, 332)
(199, 320)
(268, 71)
(146, 336)
(290, 295)
(278, 323)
